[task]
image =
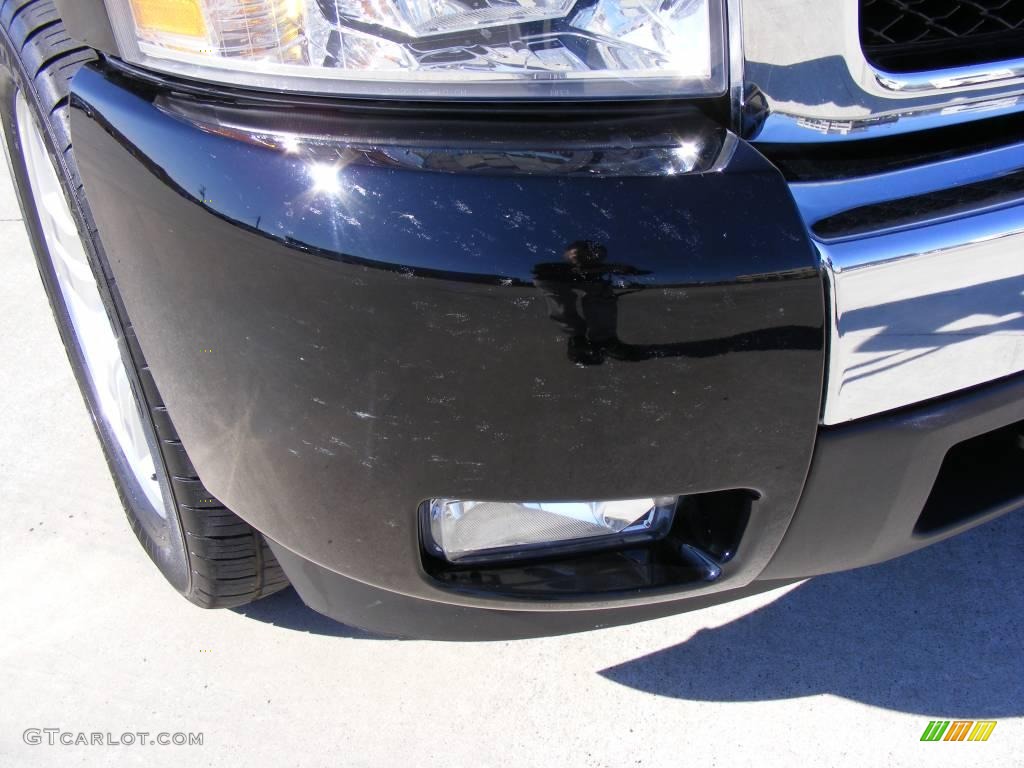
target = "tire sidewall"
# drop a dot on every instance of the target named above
(163, 539)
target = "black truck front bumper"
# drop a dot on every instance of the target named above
(350, 312)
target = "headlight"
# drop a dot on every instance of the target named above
(435, 48)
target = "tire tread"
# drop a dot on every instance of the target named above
(229, 560)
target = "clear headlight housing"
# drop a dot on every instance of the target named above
(435, 48)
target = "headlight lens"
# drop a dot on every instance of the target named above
(435, 48)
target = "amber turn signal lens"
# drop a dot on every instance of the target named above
(173, 17)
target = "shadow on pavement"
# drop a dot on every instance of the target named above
(938, 632)
(285, 609)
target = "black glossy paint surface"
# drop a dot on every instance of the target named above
(333, 359)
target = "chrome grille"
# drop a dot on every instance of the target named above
(909, 35)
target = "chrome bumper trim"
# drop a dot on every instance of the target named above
(924, 312)
(818, 200)
(804, 59)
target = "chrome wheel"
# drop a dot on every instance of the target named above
(96, 336)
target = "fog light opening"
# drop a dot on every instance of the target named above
(654, 543)
(461, 530)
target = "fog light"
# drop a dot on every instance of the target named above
(461, 530)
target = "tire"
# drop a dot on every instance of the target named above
(209, 554)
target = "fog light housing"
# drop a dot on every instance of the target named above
(466, 531)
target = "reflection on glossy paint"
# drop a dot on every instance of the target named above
(688, 153)
(686, 156)
(687, 143)
(325, 177)
(583, 292)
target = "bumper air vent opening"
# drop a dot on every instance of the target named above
(980, 476)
